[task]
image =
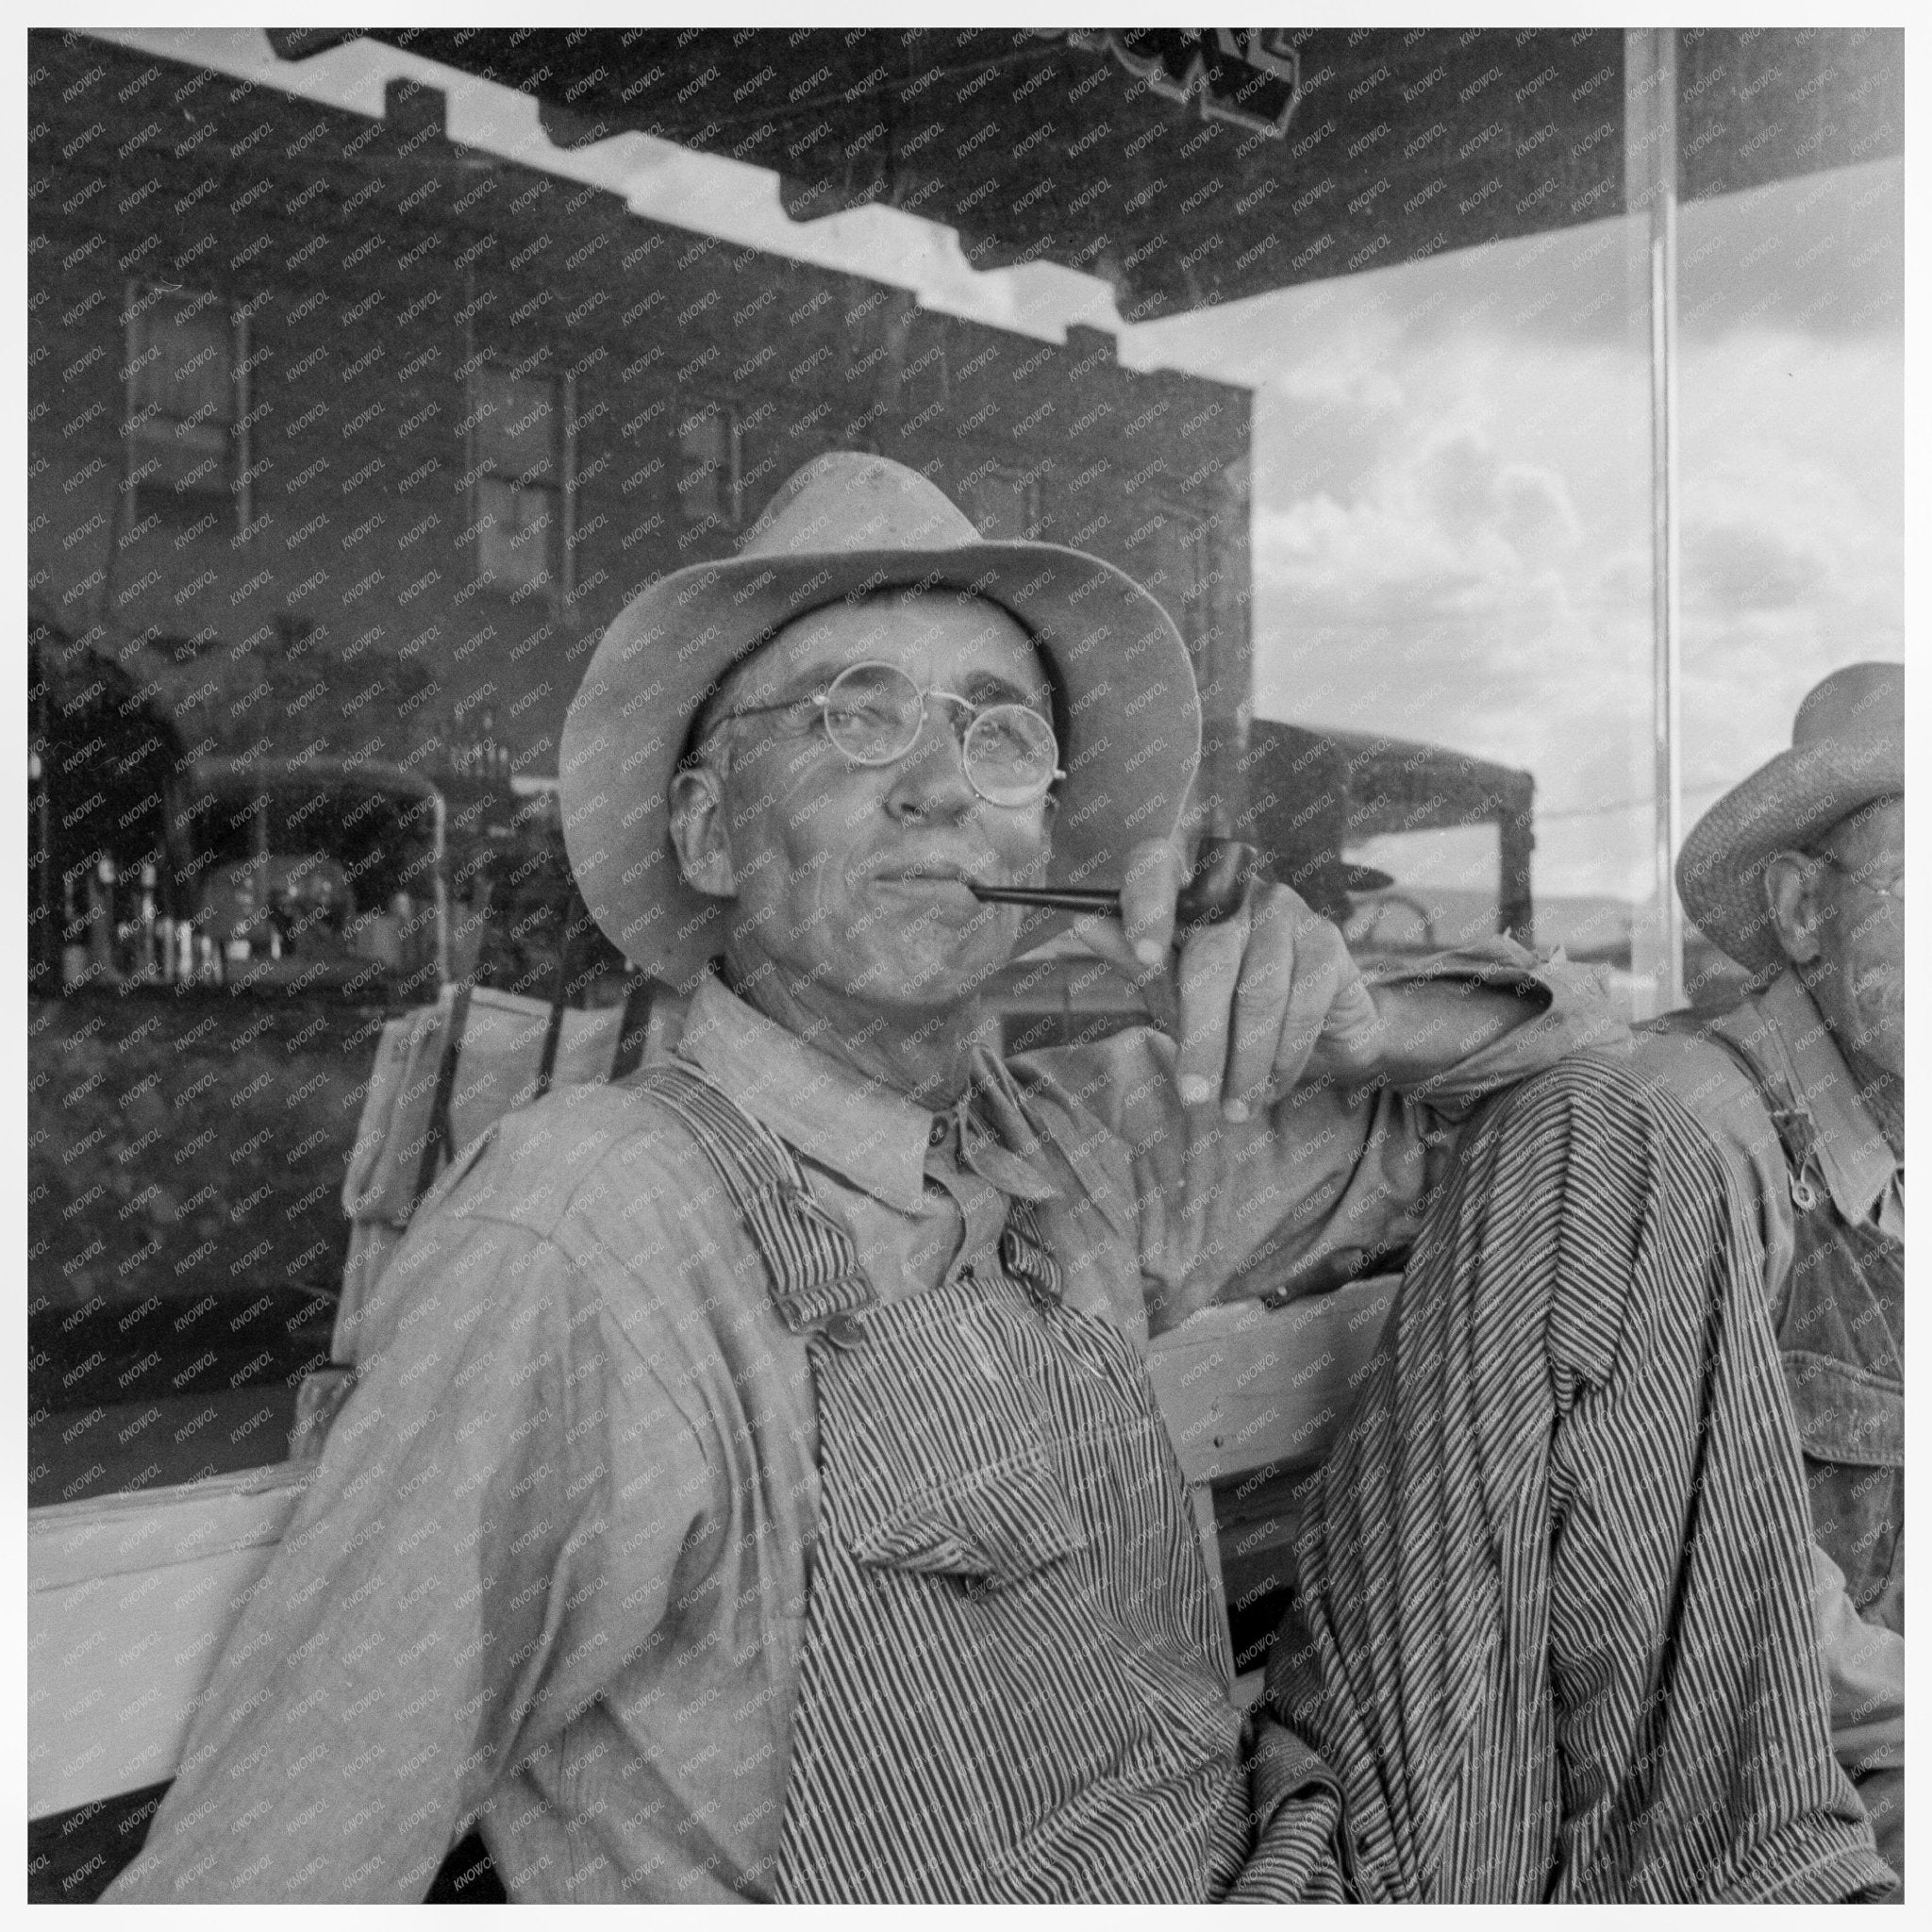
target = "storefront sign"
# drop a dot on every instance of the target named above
(1249, 75)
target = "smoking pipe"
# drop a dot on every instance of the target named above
(1225, 873)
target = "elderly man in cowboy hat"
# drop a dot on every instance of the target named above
(757, 1492)
(1798, 873)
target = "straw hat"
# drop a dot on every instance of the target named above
(1847, 751)
(848, 524)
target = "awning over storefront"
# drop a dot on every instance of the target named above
(1196, 166)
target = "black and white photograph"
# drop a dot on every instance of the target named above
(965, 964)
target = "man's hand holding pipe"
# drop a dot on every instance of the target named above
(1271, 994)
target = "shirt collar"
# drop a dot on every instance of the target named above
(862, 1129)
(1855, 1159)
(999, 1137)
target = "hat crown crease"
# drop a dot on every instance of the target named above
(842, 503)
(1842, 706)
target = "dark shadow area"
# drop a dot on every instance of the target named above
(73, 1857)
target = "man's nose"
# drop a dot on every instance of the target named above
(931, 777)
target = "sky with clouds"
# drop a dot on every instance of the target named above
(1452, 459)
(1452, 535)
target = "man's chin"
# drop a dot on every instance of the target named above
(1877, 1050)
(930, 984)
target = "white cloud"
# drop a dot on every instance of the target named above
(1452, 538)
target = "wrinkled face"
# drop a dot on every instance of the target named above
(849, 876)
(1856, 974)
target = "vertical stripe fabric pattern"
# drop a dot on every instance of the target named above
(1553, 1639)
(1010, 1687)
(1010, 1684)
(1553, 1632)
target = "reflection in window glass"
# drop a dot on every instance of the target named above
(1451, 895)
(1452, 559)
(1451, 570)
(186, 1232)
(1451, 483)
(519, 491)
(181, 400)
(707, 466)
(185, 1228)
(1791, 399)
(1001, 502)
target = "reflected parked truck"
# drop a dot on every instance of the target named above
(1312, 798)
(322, 875)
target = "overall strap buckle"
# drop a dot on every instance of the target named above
(1026, 1256)
(1784, 1103)
(812, 1265)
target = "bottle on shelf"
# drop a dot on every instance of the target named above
(146, 962)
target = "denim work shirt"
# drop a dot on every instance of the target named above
(551, 1572)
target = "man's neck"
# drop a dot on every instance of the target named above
(923, 1053)
(1884, 1094)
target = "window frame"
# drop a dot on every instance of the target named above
(730, 508)
(561, 575)
(1028, 485)
(142, 299)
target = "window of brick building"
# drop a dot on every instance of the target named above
(519, 452)
(1195, 555)
(1169, 555)
(1003, 503)
(186, 353)
(710, 464)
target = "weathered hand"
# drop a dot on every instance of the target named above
(1257, 994)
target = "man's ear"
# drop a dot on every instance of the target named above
(700, 834)
(1790, 896)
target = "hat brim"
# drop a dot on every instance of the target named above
(1129, 706)
(1782, 806)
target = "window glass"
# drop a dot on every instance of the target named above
(1444, 889)
(516, 427)
(197, 1091)
(514, 526)
(519, 494)
(707, 465)
(1002, 502)
(1451, 591)
(1792, 350)
(1442, 595)
(181, 399)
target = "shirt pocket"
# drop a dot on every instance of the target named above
(1851, 1426)
(1845, 1414)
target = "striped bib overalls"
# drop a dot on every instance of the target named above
(1010, 1687)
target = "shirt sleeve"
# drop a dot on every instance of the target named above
(1729, 1108)
(1566, 1008)
(412, 1638)
(1865, 1677)
(1227, 1210)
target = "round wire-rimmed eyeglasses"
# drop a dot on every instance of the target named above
(874, 715)
(1895, 893)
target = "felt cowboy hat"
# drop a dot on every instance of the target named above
(1125, 707)
(1847, 752)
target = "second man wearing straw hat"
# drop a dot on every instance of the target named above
(1798, 873)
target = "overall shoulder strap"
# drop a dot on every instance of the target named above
(633, 1028)
(1025, 1254)
(1766, 1069)
(437, 1143)
(814, 1267)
